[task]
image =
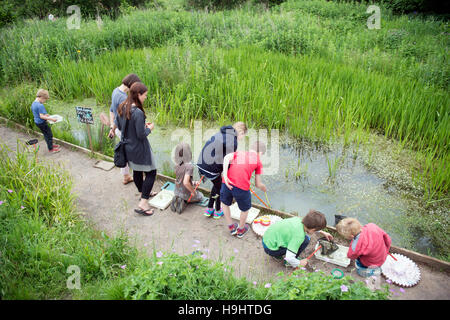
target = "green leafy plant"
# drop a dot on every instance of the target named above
(302, 285)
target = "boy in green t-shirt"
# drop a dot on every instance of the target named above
(291, 236)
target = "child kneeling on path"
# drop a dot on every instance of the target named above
(40, 116)
(369, 244)
(184, 188)
(238, 168)
(291, 236)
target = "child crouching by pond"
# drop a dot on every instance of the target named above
(184, 187)
(288, 238)
(369, 245)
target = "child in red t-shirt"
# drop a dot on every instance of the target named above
(238, 169)
(369, 244)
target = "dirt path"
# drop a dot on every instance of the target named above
(108, 205)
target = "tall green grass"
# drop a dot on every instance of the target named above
(42, 234)
(416, 48)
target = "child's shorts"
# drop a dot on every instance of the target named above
(242, 197)
(364, 271)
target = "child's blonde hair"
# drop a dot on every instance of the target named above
(348, 227)
(42, 93)
(240, 128)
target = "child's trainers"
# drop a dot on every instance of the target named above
(233, 228)
(173, 204)
(278, 259)
(218, 214)
(241, 232)
(209, 212)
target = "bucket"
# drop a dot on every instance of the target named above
(337, 218)
(366, 272)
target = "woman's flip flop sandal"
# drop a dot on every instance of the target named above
(125, 182)
(144, 212)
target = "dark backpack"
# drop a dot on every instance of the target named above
(120, 156)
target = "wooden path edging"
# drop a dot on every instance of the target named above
(415, 256)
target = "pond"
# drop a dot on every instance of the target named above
(299, 176)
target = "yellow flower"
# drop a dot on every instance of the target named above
(78, 51)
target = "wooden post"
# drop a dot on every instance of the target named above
(101, 137)
(89, 134)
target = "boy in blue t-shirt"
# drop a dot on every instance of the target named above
(40, 116)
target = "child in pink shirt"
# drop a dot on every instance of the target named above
(238, 169)
(369, 244)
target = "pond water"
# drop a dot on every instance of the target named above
(333, 180)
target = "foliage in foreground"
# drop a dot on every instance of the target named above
(195, 277)
(41, 235)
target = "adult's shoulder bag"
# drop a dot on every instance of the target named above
(120, 157)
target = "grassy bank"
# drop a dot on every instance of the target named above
(42, 235)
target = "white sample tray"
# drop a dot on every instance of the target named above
(57, 117)
(162, 199)
(338, 257)
(260, 229)
(236, 213)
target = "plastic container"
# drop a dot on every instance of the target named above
(339, 257)
(366, 272)
(162, 199)
(236, 213)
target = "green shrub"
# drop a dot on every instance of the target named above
(194, 277)
(302, 285)
(213, 4)
(12, 10)
(16, 104)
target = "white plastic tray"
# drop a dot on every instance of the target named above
(338, 257)
(57, 117)
(162, 199)
(259, 229)
(236, 213)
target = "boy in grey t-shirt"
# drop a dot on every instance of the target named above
(119, 95)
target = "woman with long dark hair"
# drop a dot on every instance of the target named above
(131, 122)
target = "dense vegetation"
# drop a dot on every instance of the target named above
(15, 10)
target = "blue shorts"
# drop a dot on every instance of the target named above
(282, 251)
(242, 197)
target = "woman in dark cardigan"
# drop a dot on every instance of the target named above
(137, 147)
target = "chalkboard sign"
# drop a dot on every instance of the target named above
(84, 115)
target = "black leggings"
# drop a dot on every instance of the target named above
(215, 191)
(47, 132)
(144, 186)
